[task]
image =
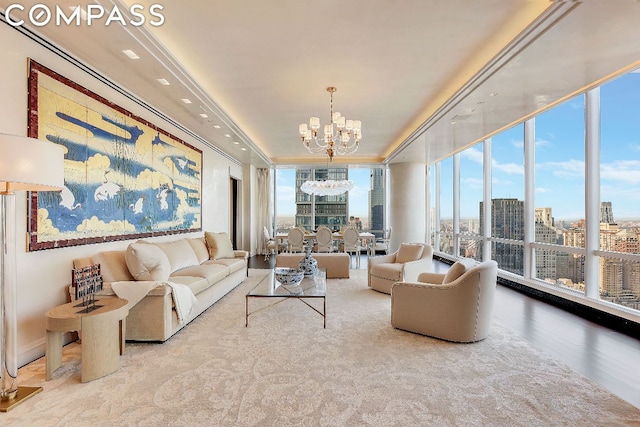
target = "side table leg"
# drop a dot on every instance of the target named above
(100, 345)
(123, 334)
(53, 353)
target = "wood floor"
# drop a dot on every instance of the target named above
(607, 357)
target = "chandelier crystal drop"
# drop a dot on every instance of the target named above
(326, 188)
(341, 136)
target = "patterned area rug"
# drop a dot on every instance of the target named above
(286, 370)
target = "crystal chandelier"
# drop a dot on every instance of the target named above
(341, 136)
(326, 188)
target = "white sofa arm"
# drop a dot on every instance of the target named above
(241, 254)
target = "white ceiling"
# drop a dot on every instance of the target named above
(405, 68)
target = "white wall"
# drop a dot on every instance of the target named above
(44, 275)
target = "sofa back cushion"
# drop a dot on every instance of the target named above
(199, 247)
(458, 269)
(147, 262)
(409, 252)
(180, 254)
(219, 245)
(113, 266)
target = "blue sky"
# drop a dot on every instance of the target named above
(559, 164)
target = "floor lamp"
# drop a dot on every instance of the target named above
(26, 164)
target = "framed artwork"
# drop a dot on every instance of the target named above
(124, 177)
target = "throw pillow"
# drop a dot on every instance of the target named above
(409, 252)
(458, 269)
(199, 247)
(179, 253)
(219, 245)
(147, 262)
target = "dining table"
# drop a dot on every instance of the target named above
(368, 239)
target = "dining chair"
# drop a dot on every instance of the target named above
(351, 243)
(270, 244)
(324, 239)
(295, 240)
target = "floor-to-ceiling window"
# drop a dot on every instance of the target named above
(559, 194)
(620, 191)
(543, 174)
(363, 206)
(285, 199)
(471, 185)
(507, 199)
(446, 206)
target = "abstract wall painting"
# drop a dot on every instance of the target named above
(124, 177)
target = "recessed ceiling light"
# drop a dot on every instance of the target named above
(186, 100)
(131, 54)
(203, 115)
(243, 149)
(216, 126)
(236, 142)
(164, 82)
(227, 135)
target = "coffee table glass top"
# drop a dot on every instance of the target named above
(311, 287)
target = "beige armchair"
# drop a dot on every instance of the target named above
(455, 306)
(404, 264)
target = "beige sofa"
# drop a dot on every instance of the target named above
(209, 272)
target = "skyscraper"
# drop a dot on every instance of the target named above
(507, 221)
(313, 211)
(376, 202)
(606, 213)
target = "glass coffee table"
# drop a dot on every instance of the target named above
(311, 287)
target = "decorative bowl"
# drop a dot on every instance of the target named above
(288, 277)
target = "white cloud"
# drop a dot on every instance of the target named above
(625, 171)
(510, 168)
(542, 142)
(542, 190)
(571, 168)
(473, 154)
(472, 182)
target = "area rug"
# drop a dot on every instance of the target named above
(285, 369)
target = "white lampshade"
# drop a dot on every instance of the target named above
(29, 164)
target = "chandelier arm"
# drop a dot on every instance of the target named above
(332, 142)
(341, 149)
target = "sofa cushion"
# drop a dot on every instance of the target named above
(211, 272)
(199, 247)
(458, 269)
(219, 245)
(179, 253)
(387, 270)
(147, 262)
(234, 264)
(196, 284)
(409, 252)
